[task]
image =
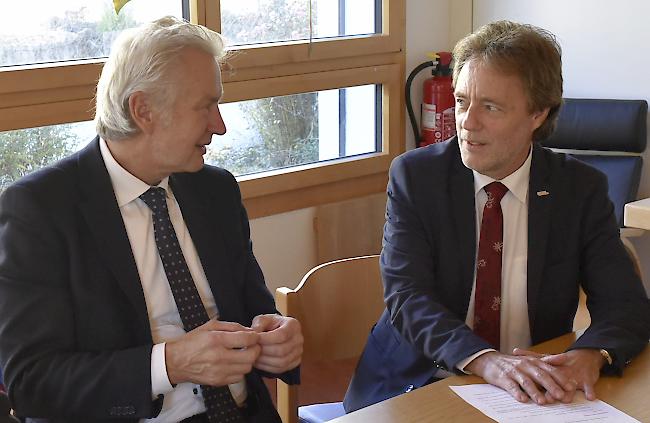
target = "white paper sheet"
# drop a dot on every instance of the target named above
(500, 406)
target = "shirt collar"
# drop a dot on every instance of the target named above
(516, 182)
(126, 186)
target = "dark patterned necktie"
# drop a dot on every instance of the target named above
(487, 295)
(218, 401)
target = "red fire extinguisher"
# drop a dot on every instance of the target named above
(437, 111)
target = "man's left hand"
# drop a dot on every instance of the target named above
(581, 366)
(281, 341)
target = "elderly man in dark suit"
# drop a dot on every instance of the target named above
(489, 237)
(128, 286)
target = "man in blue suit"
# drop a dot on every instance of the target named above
(97, 323)
(556, 233)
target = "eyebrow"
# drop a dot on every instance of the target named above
(492, 101)
(483, 99)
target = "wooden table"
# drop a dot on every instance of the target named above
(438, 403)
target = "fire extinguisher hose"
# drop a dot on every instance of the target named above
(409, 105)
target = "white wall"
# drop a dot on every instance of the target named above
(284, 246)
(606, 54)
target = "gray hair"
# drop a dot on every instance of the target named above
(141, 60)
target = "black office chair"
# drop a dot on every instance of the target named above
(609, 135)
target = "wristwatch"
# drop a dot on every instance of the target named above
(605, 354)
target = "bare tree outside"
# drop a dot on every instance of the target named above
(286, 134)
(286, 127)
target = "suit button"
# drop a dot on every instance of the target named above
(409, 388)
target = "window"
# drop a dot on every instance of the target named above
(263, 21)
(292, 130)
(25, 150)
(337, 64)
(70, 29)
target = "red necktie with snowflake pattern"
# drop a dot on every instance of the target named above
(487, 295)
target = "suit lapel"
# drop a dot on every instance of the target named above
(102, 215)
(540, 200)
(202, 222)
(461, 194)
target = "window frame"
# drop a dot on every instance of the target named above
(57, 93)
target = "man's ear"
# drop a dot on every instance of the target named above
(141, 111)
(539, 117)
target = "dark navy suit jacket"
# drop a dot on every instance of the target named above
(75, 340)
(427, 265)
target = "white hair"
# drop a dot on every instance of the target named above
(141, 60)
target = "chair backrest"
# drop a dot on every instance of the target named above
(609, 135)
(336, 303)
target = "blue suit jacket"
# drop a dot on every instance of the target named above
(75, 335)
(427, 265)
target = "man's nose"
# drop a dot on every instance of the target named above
(469, 119)
(216, 125)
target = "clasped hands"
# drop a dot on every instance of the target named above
(545, 379)
(221, 353)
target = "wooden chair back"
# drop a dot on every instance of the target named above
(336, 303)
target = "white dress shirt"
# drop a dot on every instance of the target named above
(514, 328)
(185, 399)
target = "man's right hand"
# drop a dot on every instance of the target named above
(216, 354)
(523, 377)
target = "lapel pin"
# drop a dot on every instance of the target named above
(542, 193)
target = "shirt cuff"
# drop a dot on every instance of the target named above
(159, 380)
(463, 363)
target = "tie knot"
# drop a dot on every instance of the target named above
(154, 197)
(496, 191)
